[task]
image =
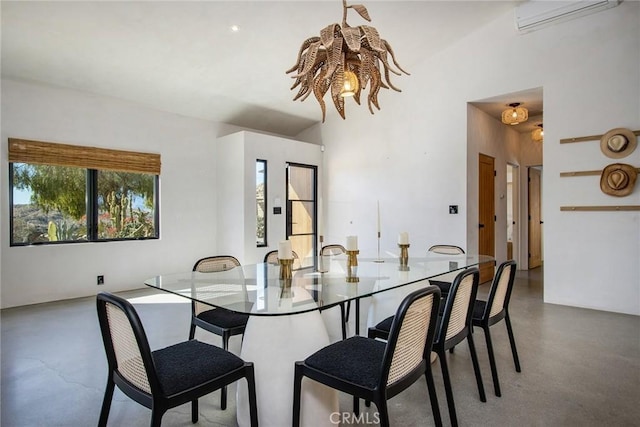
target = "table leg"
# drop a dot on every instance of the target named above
(273, 344)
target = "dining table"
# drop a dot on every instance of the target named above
(286, 318)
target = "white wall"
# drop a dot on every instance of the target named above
(412, 155)
(187, 193)
(237, 157)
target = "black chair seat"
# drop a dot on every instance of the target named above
(224, 318)
(385, 325)
(188, 364)
(356, 359)
(478, 309)
(444, 286)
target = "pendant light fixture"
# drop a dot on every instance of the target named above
(515, 114)
(538, 133)
(345, 60)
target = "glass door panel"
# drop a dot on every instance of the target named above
(301, 211)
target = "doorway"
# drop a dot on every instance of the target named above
(301, 215)
(486, 214)
(535, 217)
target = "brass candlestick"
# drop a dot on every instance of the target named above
(285, 268)
(404, 255)
(285, 288)
(352, 266)
(321, 266)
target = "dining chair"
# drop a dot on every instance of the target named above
(376, 371)
(223, 323)
(444, 281)
(493, 310)
(271, 257)
(165, 378)
(454, 326)
(335, 250)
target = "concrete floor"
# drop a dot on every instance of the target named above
(579, 368)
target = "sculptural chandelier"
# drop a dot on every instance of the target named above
(345, 59)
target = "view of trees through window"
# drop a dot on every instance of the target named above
(69, 204)
(261, 204)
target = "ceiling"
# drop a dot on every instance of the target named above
(183, 57)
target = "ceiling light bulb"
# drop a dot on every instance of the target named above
(350, 84)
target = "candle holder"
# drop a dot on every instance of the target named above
(285, 289)
(321, 267)
(352, 266)
(285, 268)
(404, 254)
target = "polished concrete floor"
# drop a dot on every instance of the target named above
(579, 368)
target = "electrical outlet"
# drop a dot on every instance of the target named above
(100, 280)
(453, 209)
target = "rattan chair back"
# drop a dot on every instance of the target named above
(446, 249)
(213, 264)
(125, 351)
(332, 250)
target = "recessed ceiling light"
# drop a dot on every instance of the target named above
(235, 28)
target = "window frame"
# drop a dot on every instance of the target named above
(266, 242)
(91, 193)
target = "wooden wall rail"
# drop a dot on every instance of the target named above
(599, 208)
(585, 173)
(589, 138)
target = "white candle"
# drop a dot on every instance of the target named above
(284, 250)
(378, 218)
(403, 238)
(352, 243)
(320, 224)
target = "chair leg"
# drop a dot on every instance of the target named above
(156, 417)
(253, 404)
(447, 388)
(356, 406)
(297, 387)
(492, 362)
(476, 367)
(223, 391)
(194, 411)
(343, 320)
(106, 402)
(348, 311)
(435, 408)
(513, 343)
(192, 330)
(383, 412)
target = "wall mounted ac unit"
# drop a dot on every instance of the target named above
(533, 14)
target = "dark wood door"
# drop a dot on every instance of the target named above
(486, 214)
(535, 218)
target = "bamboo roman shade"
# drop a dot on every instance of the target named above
(48, 153)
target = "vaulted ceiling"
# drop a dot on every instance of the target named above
(183, 57)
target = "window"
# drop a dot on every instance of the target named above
(62, 193)
(261, 203)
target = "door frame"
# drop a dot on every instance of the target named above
(288, 226)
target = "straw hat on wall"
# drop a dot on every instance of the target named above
(618, 143)
(618, 179)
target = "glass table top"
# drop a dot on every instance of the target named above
(256, 289)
